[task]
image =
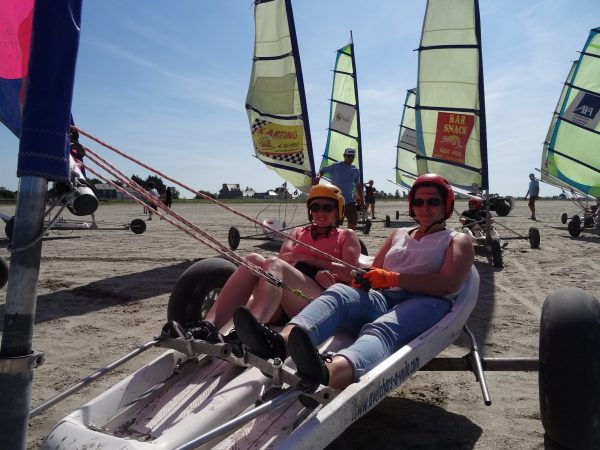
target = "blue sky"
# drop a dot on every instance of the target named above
(166, 82)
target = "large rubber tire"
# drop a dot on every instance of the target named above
(588, 222)
(563, 218)
(9, 227)
(397, 215)
(569, 374)
(534, 237)
(138, 226)
(502, 208)
(3, 272)
(496, 248)
(233, 238)
(197, 289)
(573, 227)
(388, 222)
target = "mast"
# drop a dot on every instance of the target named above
(482, 116)
(359, 138)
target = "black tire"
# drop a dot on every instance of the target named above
(573, 227)
(397, 215)
(197, 288)
(9, 227)
(496, 249)
(367, 226)
(3, 272)
(576, 219)
(233, 238)
(534, 237)
(569, 373)
(563, 218)
(388, 222)
(138, 226)
(588, 222)
(363, 248)
(502, 208)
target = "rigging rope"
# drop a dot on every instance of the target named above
(215, 201)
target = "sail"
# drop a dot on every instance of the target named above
(276, 103)
(450, 107)
(16, 18)
(344, 119)
(572, 153)
(406, 155)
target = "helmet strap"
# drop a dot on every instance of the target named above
(314, 233)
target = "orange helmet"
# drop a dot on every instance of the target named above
(327, 191)
(437, 181)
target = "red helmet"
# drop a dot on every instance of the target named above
(437, 181)
(477, 202)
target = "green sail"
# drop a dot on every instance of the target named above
(406, 150)
(275, 103)
(573, 153)
(344, 119)
(450, 107)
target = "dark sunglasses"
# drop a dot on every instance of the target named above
(432, 201)
(316, 207)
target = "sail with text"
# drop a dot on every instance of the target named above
(406, 150)
(276, 102)
(344, 118)
(450, 106)
(571, 156)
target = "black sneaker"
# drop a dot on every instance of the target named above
(310, 363)
(232, 339)
(259, 338)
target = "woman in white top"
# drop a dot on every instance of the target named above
(411, 286)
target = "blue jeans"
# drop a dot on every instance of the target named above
(384, 321)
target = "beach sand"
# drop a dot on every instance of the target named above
(102, 293)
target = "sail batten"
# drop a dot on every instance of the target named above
(570, 155)
(450, 108)
(276, 102)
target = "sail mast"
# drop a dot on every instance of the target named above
(359, 138)
(482, 116)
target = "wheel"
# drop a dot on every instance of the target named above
(534, 237)
(197, 289)
(496, 251)
(8, 227)
(569, 372)
(363, 248)
(233, 237)
(367, 226)
(502, 208)
(138, 226)
(563, 218)
(588, 222)
(3, 272)
(388, 222)
(576, 219)
(397, 215)
(573, 227)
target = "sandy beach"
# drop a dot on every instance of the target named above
(102, 293)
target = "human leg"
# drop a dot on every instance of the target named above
(351, 214)
(410, 317)
(236, 292)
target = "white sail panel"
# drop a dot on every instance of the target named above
(406, 154)
(573, 149)
(275, 101)
(449, 106)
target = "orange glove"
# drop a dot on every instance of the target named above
(381, 279)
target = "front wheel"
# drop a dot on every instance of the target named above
(138, 226)
(197, 289)
(534, 237)
(502, 208)
(563, 218)
(3, 272)
(573, 228)
(233, 238)
(367, 226)
(9, 227)
(569, 373)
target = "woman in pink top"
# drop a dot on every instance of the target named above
(297, 266)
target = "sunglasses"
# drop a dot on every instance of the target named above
(432, 201)
(326, 207)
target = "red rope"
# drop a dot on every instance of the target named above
(209, 198)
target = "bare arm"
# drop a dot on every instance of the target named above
(350, 253)
(380, 256)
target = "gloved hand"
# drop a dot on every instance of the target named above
(380, 279)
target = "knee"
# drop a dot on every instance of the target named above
(272, 264)
(255, 258)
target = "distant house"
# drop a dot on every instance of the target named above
(105, 191)
(269, 195)
(282, 193)
(230, 191)
(248, 192)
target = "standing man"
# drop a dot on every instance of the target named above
(346, 177)
(168, 197)
(533, 192)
